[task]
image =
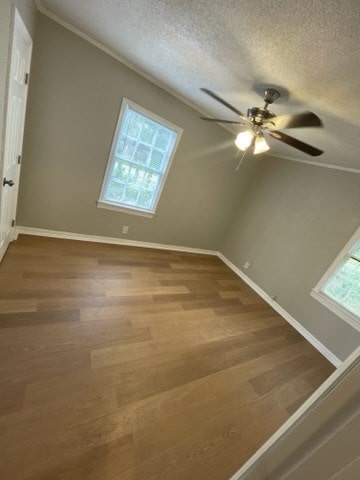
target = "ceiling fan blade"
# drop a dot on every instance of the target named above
(225, 103)
(298, 120)
(220, 121)
(294, 142)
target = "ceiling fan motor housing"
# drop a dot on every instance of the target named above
(259, 115)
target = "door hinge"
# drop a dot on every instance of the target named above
(19, 159)
(26, 78)
(13, 223)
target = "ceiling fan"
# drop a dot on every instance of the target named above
(261, 122)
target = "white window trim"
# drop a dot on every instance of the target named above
(107, 205)
(328, 302)
(102, 203)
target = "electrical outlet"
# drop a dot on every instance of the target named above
(125, 229)
(246, 265)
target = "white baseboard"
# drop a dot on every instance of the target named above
(40, 232)
(290, 319)
(134, 243)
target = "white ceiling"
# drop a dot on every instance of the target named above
(309, 48)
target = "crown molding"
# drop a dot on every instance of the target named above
(169, 90)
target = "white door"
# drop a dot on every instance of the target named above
(19, 66)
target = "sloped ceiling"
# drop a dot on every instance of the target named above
(310, 49)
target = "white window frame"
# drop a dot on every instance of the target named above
(318, 290)
(102, 202)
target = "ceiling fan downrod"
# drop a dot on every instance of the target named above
(259, 115)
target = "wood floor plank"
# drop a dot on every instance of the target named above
(30, 319)
(18, 305)
(147, 307)
(129, 363)
(121, 291)
(273, 378)
(65, 275)
(133, 263)
(13, 293)
(12, 397)
(93, 302)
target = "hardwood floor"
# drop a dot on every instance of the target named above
(136, 364)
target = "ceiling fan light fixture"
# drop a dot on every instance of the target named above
(261, 145)
(244, 139)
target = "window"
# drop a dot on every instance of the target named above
(339, 289)
(141, 154)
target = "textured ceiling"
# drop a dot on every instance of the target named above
(309, 48)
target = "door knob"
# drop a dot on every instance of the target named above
(8, 182)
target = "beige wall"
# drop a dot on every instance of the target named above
(74, 101)
(293, 222)
(28, 13)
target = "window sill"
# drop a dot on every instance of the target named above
(340, 311)
(129, 210)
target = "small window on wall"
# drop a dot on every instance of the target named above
(141, 154)
(339, 289)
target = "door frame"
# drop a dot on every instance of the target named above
(311, 404)
(16, 23)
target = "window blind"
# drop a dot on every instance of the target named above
(141, 155)
(344, 285)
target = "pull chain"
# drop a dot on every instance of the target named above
(241, 159)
